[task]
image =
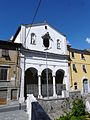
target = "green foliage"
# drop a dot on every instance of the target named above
(77, 111)
(78, 118)
(78, 108)
(72, 118)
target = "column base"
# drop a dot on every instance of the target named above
(55, 95)
(21, 99)
(64, 94)
(40, 96)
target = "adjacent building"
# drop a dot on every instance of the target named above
(79, 69)
(9, 71)
(44, 69)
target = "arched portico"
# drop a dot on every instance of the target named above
(31, 82)
(59, 81)
(36, 82)
(46, 78)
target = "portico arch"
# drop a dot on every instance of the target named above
(44, 82)
(31, 82)
(59, 81)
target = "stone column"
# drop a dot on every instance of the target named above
(39, 86)
(21, 97)
(54, 87)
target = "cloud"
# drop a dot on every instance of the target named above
(87, 40)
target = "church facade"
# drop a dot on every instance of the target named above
(44, 70)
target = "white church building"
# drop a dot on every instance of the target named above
(44, 70)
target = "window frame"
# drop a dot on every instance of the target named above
(82, 56)
(72, 53)
(33, 39)
(84, 68)
(75, 86)
(74, 67)
(6, 76)
(5, 52)
(58, 44)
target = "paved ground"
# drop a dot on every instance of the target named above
(14, 115)
(11, 111)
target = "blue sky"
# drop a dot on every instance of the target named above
(70, 17)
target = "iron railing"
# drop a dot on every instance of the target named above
(33, 89)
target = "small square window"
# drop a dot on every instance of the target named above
(58, 44)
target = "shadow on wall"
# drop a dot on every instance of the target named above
(38, 112)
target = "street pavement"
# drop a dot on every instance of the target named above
(13, 111)
(14, 115)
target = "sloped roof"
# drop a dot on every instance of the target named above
(9, 45)
(33, 25)
(78, 50)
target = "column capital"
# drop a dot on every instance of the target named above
(39, 75)
(53, 75)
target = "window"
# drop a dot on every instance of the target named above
(5, 53)
(75, 85)
(33, 38)
(74, 68)
(84, 68)
(3, 73)
(46, 27)
(72, 54)
(82, 56)
(58, 44)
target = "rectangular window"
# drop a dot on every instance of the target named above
(82, 56)
(74, 68)
(5, 52)
(72, 54)
(58, 44)
(3, 73)
(33, 38)
(84, 68)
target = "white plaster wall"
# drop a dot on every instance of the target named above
(54, 65)
(25, 36)
(18, 38)
(38, 62)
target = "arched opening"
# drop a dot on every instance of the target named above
(44, 76)
(85, 86)
(59, 81)
(31, 82)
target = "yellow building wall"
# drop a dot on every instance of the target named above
(80, 74)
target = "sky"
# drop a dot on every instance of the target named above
(70, 17)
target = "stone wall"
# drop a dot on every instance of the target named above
(57, 107)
